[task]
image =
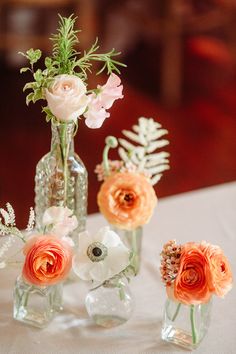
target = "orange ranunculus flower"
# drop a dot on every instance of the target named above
(127, 200)
(221, 275)
(191, 285)
(48, 260)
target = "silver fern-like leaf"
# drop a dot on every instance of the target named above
(144, 140)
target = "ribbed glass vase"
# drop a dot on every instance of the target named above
(110, 305)
(61, 178)
(185, 325)
(133, 240)
(36, 305)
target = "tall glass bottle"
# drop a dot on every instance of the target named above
(61, 177)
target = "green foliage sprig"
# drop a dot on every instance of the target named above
(65, 59)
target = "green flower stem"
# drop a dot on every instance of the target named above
(105, 160)
(64, 146)
(111, 142)
(26, 297)
(193, 326)
(176, 312)
(135, 251)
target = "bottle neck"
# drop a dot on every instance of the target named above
(63, 137)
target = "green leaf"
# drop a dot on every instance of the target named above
(37, 95)
(49, 114)
(29, 98)
(23, 54)
(38, 75)
(33, 55)
(48, 62)
(23, 70)
(29, 85)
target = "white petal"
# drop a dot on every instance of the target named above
(84, 241)
(82, 270)
(59, 231)
(117, 259)
(69, 241)
(52, 215)
(99, 271)
(56, 214)
(99, 235)
(111, 238)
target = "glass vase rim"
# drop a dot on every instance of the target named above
(189, 305)
(40, 287)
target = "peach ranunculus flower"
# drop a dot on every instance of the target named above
(66, 97)
(48, 260)
(191, 286)
(221, 274)
(127, 200)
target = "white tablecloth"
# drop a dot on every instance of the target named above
(208, 214)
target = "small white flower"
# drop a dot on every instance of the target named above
(100, 256)
(61, 220)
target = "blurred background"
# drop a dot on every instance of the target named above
(181, 61)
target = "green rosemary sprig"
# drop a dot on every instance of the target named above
(65, 59)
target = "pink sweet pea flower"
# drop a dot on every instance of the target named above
(108, 93)
(95, 115)
(111, 91)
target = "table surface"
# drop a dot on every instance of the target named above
(207, 214)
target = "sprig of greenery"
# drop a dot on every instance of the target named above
(64, 43)
(65, 59)
(7, 223)
(110, 64)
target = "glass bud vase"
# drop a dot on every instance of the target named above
(133, 240)
(61, 178)
(110, 305)
(36, 305)
(185, 325)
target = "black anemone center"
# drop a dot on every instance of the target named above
(97, 252)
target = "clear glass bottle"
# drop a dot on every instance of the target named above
(185, 325)
(36, 305)
(133, 240)
(61, 177)
(110, 305)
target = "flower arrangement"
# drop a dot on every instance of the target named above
(63, 84)
(48, 254)
(192, 273)
(63, 81)
(105, 261)
(126, 197)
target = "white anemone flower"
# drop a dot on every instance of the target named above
(100, 256)
(61, 220)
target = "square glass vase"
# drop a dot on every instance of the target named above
(34, 305)
(185, 325)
